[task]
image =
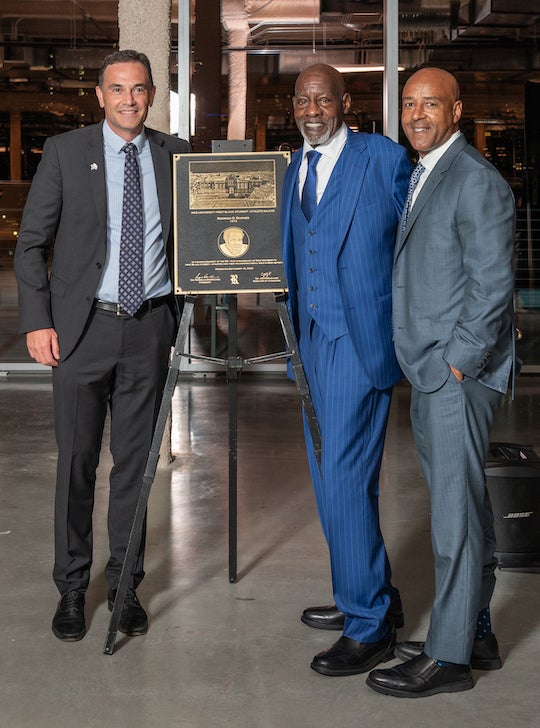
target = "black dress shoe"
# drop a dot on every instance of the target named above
(484, 656)
(133, 620)
(421, 677)
(349, 657)
(68, 622)
(331, 618)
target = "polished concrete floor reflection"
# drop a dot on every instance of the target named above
(222, 654)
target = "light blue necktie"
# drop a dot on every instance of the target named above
(309, 192)
(415, 177)
(130, 282)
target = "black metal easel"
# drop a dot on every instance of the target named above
(234, 365)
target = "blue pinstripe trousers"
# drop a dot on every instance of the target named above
(352, 417)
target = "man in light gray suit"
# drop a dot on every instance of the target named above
(453, 330)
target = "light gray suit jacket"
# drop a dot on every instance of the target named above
(67, 206)
(453, 275)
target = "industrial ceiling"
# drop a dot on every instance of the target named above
(59, 44)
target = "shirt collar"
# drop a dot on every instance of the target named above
(332, 148)
(431, 158)
(116, 142)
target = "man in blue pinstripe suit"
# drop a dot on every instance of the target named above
(338, 260)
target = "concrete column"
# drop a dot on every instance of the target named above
(235, 21)
(390, 74)
(237, 84)
(145, 26)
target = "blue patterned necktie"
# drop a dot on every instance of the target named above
(309, 192)
(415, 177)
(130, 282)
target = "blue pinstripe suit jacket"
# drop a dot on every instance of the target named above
(376, 172)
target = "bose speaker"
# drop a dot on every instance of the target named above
(513, 483)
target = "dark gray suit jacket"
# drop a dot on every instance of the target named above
(453, 276)
(67, 206)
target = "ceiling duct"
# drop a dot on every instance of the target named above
(506, 12)
(407, 21)
(282, 11)
(495, 18)
(294, 61)
(258, 13)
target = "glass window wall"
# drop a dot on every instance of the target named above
(47, 87)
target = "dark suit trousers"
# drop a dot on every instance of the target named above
(451, 428)
(120, 363)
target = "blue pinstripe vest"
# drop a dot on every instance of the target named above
(319, 296)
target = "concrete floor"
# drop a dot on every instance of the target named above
(222, 654)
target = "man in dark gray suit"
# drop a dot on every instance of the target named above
(453, 330)
(101, 355)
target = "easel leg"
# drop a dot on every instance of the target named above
(299, 375)
(148, 477)
(233, 370)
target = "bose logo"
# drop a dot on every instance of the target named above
(523, 514)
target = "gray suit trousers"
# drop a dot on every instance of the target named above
(451, 428)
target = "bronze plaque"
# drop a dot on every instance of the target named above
(227, 236)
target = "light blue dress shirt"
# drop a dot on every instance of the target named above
(156, 272)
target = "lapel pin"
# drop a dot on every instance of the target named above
(93, 166)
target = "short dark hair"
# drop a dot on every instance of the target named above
(127, 56)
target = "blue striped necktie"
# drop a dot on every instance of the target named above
(130, 281)
(415, 178)
(309, 192)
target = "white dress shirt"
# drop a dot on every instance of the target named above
(325, 166)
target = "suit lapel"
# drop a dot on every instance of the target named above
(163, 172)
(291, 181)
(352, 168)
(290, 188)
(432, 182)
(434, 179)
(95, 157)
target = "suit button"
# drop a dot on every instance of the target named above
(89, 300)
(312, 270)
(312, 305)
(311, 252)
(98, 266)
(313, 288)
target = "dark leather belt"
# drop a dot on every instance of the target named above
(146, 307)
